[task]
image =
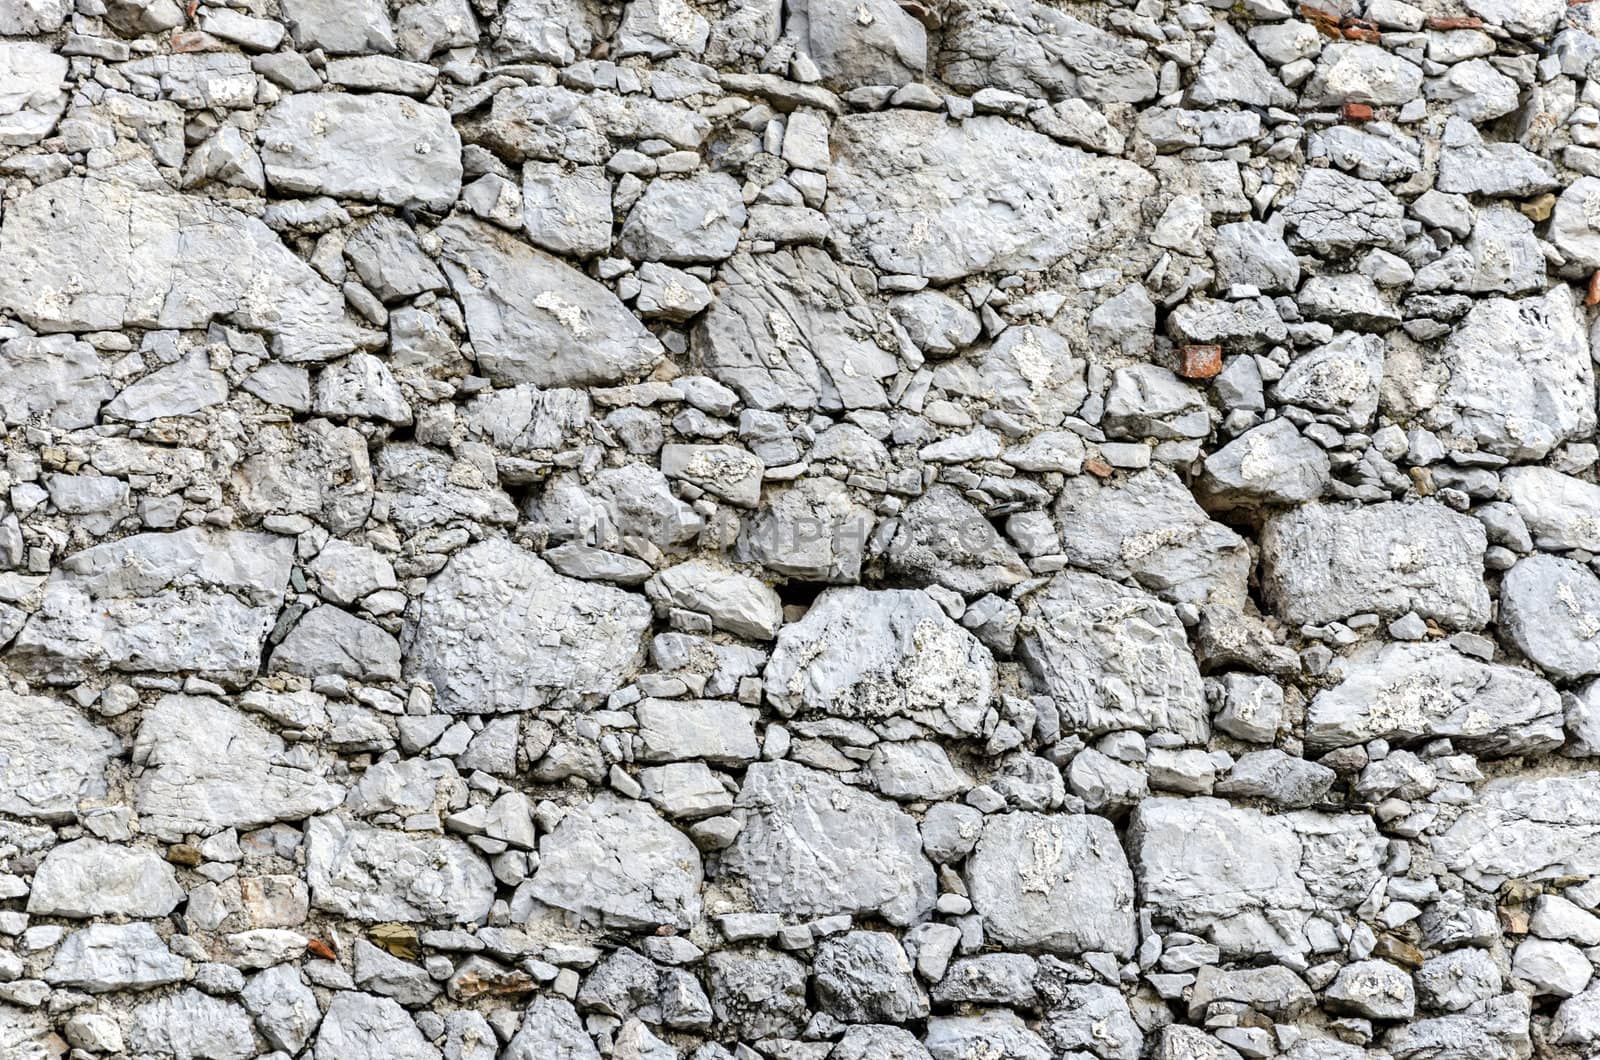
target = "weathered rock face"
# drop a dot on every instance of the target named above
(615, 863)
(1053, 883)
(51, 757)
(105, 277)
(379, 148)
(551, 636)
(1058, 198)
(882, 656)
(1323, 562)
(535, 319)
(205, 766)
(802, 829)
(1409, 692)
(88, 878)
(373, 874)
(811, 529)
(1112, 657)
(192, 600)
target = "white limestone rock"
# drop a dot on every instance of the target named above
(1053, 883)
(1409, 692)
(375, 874)
(614, 863)
(1112, 657)
(881, 655)
(553, 639)
(907, 193)
(1322, 562)
(51, 758)
(89, 878)
(204, 766)
(114, 266)
(536, 319)
(813, 846)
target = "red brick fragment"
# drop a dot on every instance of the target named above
(1097, 467)
(1201, 361)
(1455, 22)
(1356, 112)
(1365, 34)
(1327, 22)
(1593, 297)
(318, 948)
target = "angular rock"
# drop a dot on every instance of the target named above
(1034, 49)
(614, 863)
(51, 758)
(907, 194)
(31, 95)
(1149, 528)
(1404, 693)
(790, 330)
(374, 874)
(535, 319)
(554, 637)
(944, 540)
(192, 1024)
(89, 878)
(205, 766)
(812, 846)
(104, 957)
(733, 601)
(876, 43)
(1112, 657)
(1053, 883)
(359, 1026)
(880, 655)
(191, 600)
(116, 265)
(1272, 464)
(684, 221)
(1550, 612)
(1322, 562)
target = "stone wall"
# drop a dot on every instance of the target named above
(838, 530)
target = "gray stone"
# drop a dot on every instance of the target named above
(359, 1026)
(1322, 562)
(1112, 657)
(1052, 883)
(204, 766)
(1149, 528)
(791, 330)
(735, 602)
(328, 640)
(1405, 693)
(906, 194)
(554, 638)
(339, 27)
(614, 863)
(681, 221)
(803, 827)
(944, 540)
(876, 43)
(1550, 612)
(567, 211)
(284, 1007)
(865, 977)
(1535, 828)
(51, 758)
(104, 274)
(1037, 50)
(32, 99)
(101, 958)
(535, 319)
(374, 874)
(377, 147)
(89, 878)
(878, 656)
(192, 1024)
(1272, 464)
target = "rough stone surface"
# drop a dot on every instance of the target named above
(812, 530)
